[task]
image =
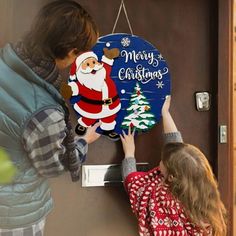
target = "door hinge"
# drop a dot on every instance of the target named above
(223, 133)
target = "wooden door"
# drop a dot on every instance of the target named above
(192, 36)
(233, 90)
(225, 154)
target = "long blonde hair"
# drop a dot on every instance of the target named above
(194, 185)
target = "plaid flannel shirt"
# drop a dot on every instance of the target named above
(43, 140)
(33, 230)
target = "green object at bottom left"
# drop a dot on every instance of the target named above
(7, 168)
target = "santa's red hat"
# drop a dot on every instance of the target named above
(83, 57)
(78, 61)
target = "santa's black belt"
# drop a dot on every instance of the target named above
(107, 101)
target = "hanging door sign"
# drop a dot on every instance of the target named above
(122, 82)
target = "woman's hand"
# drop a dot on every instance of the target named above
(128, 143)
(91, 134)
(166, 105)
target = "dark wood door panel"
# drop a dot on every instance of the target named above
(186, 34)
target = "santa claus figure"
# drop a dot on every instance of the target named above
(99, 100)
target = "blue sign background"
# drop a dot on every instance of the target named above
(141, 62)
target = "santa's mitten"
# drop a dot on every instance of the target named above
(66, 91)
(111, 53)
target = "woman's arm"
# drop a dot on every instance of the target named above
(43, 140)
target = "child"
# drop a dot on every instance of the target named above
(180, 197)
(35, 129)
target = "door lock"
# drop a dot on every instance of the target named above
(203, 101)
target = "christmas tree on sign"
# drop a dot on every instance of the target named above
(139, 115)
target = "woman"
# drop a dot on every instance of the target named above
(35, 129)
(180, 197)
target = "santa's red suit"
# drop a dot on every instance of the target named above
(98, 105)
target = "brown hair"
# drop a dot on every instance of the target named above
(194, 185)
(59, 27)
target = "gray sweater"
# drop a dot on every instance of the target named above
(129, 163)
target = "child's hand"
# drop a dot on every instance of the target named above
(166, 105)
(128, 143)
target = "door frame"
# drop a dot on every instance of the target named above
(225, 98)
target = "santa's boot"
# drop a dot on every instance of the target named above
(111, 134)
(80, 130)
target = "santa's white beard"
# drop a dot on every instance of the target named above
(92, 81)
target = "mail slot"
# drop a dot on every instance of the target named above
(105, 175)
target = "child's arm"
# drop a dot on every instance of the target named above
(129, 162)
(171, 133)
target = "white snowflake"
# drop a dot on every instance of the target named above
(125, 42)
(151, 204)
(168, 222)
(160, 57)
(154, 222)
(140, 191)
(160, 84)
(144, 232)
